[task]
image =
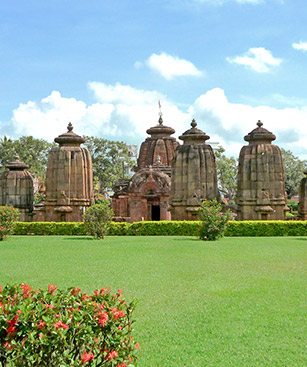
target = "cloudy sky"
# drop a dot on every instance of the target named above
(104, 65)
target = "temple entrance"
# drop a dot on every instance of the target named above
(155, 212)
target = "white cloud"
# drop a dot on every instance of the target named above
(125, 113)
(172, 66)
(301, 46)
(258, 59)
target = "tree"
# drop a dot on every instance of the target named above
(111, 161)
(227, 171)
(31, 151)
(294, 171)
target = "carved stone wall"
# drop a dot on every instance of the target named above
(261, 185)
(16, 189)
(302, 205)
(194, 177)
(69, 179)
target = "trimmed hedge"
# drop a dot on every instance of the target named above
(166, 228)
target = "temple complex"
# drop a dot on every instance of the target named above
(194, 177)
(69, 179)
(261, 185)
(145, 196)
(16, 189)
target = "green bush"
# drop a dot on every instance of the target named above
(8, 216)
(49, 228)
(166, 228)
(65, 328)
(213, 221)
(97, 219)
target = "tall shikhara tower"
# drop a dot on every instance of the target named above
(69, 179)
(261, 184)
(194, 177)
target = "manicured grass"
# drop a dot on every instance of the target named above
(235, 302)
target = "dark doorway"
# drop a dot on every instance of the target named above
(155, 212)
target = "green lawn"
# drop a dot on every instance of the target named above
(235, 302)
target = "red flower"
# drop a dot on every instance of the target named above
(75, 291)
(112, 355)
(137, 345)
(86, 357)
(57, 315)
(41, 324)
(8, 346)
(117, 313)
(104, 317)
(49, 306)
(122, 365)
(51, 289)
(60, 324)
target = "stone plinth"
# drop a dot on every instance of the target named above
(16, 189)
(69, 179)
(302, 205)
(261, 185)
(194, 176)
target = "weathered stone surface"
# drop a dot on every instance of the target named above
(194, 176)
(16, 189)
(302, 205)
(145, 196)
(261, 187)
(69, 180)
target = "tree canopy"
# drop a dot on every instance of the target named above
(111, 161)
(294, 171)
(33, 152)
(227, 171)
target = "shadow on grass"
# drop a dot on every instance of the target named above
(77, 238)
(300, 239)
(186, 239)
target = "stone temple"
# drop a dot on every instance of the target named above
(69, 179)
(145, 196)
(16, 189)
(302, 205)
(261, 185)
(194, 177)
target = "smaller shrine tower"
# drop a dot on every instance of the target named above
(69, 179)
(16, 189)
(261, 184)
(159, 146)
(302, 205)
(145, 196)
(194, 177)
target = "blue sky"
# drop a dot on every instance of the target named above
(103, 65)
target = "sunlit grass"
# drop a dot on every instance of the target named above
(234, 302)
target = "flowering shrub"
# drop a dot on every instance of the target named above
(65, 328)
(8, 215)
(100, 199)
(213, 221)
(97, 219)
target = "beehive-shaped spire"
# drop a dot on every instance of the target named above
(159, 146)
(194, 176)
(261, 184)
(16, 189)
(69, 179)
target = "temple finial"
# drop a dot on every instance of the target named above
(69, 127)
(160, 113)
(193, 123)
(259, 123)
